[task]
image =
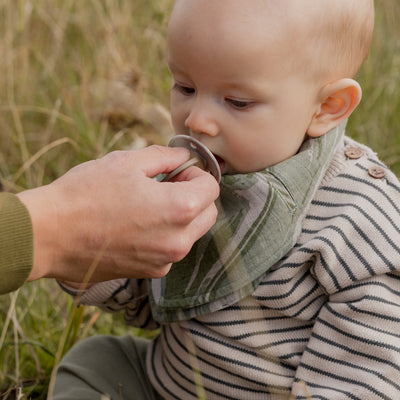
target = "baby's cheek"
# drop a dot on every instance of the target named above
(244, 162)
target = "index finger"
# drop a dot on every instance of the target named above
(194, 179)
(155, 160)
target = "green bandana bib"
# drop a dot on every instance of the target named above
(259, 219)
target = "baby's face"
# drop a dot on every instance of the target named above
(235, 85)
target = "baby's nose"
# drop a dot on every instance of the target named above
(201, 120)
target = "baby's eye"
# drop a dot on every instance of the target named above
(240, 104)
(186, 90)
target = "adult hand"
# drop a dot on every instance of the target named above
(111, 214)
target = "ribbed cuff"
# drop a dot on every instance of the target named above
(16, 243)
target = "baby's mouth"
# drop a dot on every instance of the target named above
(220, 162)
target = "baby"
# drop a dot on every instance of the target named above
(295, 292)
(252, 82)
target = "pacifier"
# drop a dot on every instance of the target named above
(199, 156)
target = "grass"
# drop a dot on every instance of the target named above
(79, 79)
(376, 121)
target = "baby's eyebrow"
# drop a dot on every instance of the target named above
(246, 85)
(173, 66)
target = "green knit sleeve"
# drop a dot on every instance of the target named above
(16, 243)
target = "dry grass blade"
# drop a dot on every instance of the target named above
(28, 163)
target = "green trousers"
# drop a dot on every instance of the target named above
(105, 367)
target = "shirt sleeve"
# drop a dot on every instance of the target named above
(352, 245)
(129, 296)
(16, 243)
(354, 349)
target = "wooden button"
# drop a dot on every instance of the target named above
(376, 172)
(353, 153)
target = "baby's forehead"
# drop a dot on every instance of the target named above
(286, 12)
(291, 20)
(261, 24)
(307, 30)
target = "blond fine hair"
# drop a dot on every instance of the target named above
(342, 37)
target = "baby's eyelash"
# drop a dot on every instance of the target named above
(187, 90)
(240, 104)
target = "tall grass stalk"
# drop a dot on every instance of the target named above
(81, 78)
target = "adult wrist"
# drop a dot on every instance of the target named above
(45, 234)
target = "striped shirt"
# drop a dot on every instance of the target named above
(324, 322)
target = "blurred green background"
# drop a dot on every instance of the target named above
(79, 79)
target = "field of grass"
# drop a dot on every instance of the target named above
(79, 79)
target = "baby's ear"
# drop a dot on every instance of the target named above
(338, 101)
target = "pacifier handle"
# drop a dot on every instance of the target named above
(200, 155)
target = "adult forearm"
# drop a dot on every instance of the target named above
(16, 244)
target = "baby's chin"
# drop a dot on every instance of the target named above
(227, 169)
(224, 166)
